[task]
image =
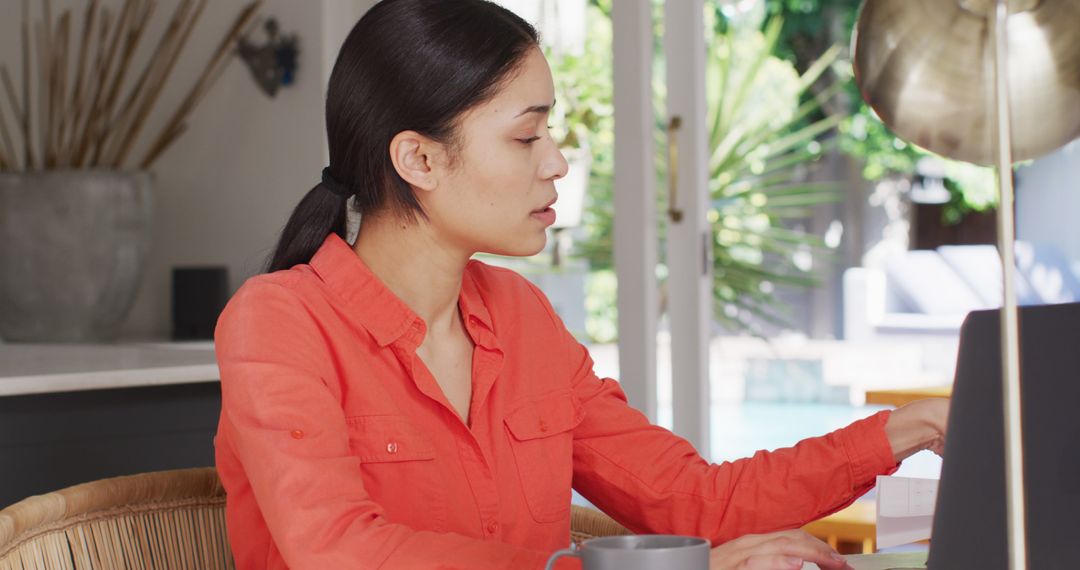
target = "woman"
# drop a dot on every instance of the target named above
(392, 404)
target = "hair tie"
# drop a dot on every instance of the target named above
(331, 184)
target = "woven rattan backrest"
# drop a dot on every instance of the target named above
(165, 520)
(168, 520)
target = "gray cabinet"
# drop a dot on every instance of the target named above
(157, 409)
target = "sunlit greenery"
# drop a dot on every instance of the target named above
(780, 94)
(763, 134)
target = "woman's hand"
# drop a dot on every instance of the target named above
(917, 426)
(786, 550)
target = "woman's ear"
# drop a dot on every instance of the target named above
(417, 159)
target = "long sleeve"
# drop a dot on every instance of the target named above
(287, 431)
(653, 481)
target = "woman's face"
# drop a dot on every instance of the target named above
(496, 194)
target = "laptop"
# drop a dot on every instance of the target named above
(969, 520)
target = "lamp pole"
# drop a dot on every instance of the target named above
(1010, 345)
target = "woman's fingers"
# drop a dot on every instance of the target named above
(799, 544)
(753, 540)
(776, 551)
(772, 562)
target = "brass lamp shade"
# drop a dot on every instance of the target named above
(926, 67)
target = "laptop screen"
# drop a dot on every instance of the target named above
(969, 521)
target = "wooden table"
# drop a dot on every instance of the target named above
(900, 397)
(856, 525)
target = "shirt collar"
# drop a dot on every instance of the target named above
(378, 309)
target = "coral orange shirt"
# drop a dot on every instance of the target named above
(338, 449)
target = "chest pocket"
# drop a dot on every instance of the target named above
(400, 470)
(383, 439)
(542, 439)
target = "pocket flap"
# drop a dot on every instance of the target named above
(379, 439)
(545, 416)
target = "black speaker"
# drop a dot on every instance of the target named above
(198, 296)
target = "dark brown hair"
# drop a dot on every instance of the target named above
(406, 65)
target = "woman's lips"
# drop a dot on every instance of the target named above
(547, 216)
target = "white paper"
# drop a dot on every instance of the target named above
(893, 561)
(905, 510)
(906, 496)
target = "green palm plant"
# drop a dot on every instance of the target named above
(766, 129)
(763, 141)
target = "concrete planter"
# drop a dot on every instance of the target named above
(72, 247)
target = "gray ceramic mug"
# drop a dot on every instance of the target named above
(640, 552)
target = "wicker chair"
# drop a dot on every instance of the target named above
(167, 519)
(164, 520)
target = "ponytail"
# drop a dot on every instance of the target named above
(320, 213)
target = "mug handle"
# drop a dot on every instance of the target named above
(561, 553)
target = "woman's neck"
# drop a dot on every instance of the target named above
(422, 270)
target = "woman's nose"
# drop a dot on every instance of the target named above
(555, 165)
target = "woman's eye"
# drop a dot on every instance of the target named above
(529, 140)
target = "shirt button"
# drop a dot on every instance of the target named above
(297, 434)
(543, 425)
(392, 447)
(493, 527)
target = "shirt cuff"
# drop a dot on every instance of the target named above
(868, 449)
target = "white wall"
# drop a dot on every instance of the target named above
(1048, 201)
(226, 188)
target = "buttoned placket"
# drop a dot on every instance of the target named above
(487, 363)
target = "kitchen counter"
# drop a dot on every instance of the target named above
(50, 368)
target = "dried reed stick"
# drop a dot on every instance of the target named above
(74, 106)
(209, 75)
(80, 98)
(9, 87)
(8, 150)
(52, 64)
(95, 118)
(86, 105)
(44, 30)
(62, 58)
(61, 49)
(151, 72)
(134, 35)
(53, 77)
(153, 78)
(86, 114)
(27, 142)
(43, 93)
(107, 50)
(168, 139)
(111, 84)
(155, 91)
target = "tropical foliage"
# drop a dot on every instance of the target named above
(766, 130)
(762, 143)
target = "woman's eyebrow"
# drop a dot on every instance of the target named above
(542, 109)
